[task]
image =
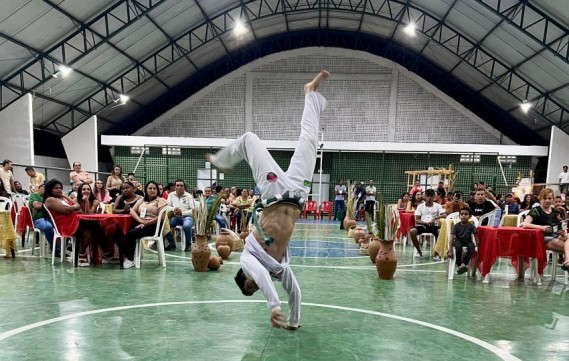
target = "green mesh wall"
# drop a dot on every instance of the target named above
(386, 169)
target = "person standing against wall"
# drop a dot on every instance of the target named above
(340, 191)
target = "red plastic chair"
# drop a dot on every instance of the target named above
(311, 207)
(326, 207)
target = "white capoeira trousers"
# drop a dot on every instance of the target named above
(273, 181)
(262, 268)
(270, 178)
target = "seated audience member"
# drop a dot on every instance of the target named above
(450, 197)
(513, 207)
(18, 188)
(242, 205)
(90, 230)
(181, 203)
(210, 199)
(123, 204)
(74, 190)
(534, 201)
(548, 219)
(427, 217)
(441, 196)
(403, 201)
(78, 175)
(62, 209)
(115, 182)
(36, 179)
(566, 205)
(471, 199)
(416, 199)
(102, 195)
(526, 204)
(481, 206)
(145, 212)
(456, 205)
(137, 186)
(39, 218)
(558, 205)
(461, 236)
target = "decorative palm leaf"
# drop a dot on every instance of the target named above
(351, 205)
(380, 217)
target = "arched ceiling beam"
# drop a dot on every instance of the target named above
(74, 47)
(79, 24)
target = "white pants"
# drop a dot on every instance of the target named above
(261, 268)
(270, 178)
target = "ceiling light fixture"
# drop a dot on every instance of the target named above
(239, 28)
(410, 29)
(124, 98)
(525, 106)
(64, 70)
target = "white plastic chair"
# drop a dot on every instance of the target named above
(40, 234)
(521, 217)
(488, 216)
(62, 240)
(451, 221)
(157, 237)
(6, 204)
(19, 201)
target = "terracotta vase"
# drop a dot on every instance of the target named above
(386, 260)
(369, 236)
(224, 237)
(214, 263)
(224, 250)
(349, 223)
(358, 234)
(200, 253)
(373, 249)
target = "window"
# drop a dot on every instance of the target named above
(171, 151)
(507, 159)
(138, 150)
(470, 158)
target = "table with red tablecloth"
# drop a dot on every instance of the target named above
(407, 222)
(516, 243)
(71, 225)
(68, 229)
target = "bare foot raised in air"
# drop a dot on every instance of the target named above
(315, 83)
(212, 159)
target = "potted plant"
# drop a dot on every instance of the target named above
(387, 220)
(203, 221)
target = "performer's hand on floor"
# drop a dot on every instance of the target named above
(276, 318)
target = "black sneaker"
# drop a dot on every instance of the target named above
(170, 247)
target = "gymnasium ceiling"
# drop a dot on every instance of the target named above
(490, 55)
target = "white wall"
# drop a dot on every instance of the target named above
(81, 145)
(17, 142)
(558, 154)
(371, 99)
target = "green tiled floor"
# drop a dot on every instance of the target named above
(102, 313)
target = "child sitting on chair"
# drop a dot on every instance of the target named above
(461, 236)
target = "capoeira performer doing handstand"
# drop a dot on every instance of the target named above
(267, 253)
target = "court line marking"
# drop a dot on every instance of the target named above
(504, 355)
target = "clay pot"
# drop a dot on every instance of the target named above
(200, 253)
(369, 236)
(349, 223)
(243, 235)
(358, 233)
(214, 263)
(386, 260)
(361, 240)
(373, 249)
(224, 237)
(224, 250)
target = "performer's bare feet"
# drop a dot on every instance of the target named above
(315, 83)
(212, 158)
